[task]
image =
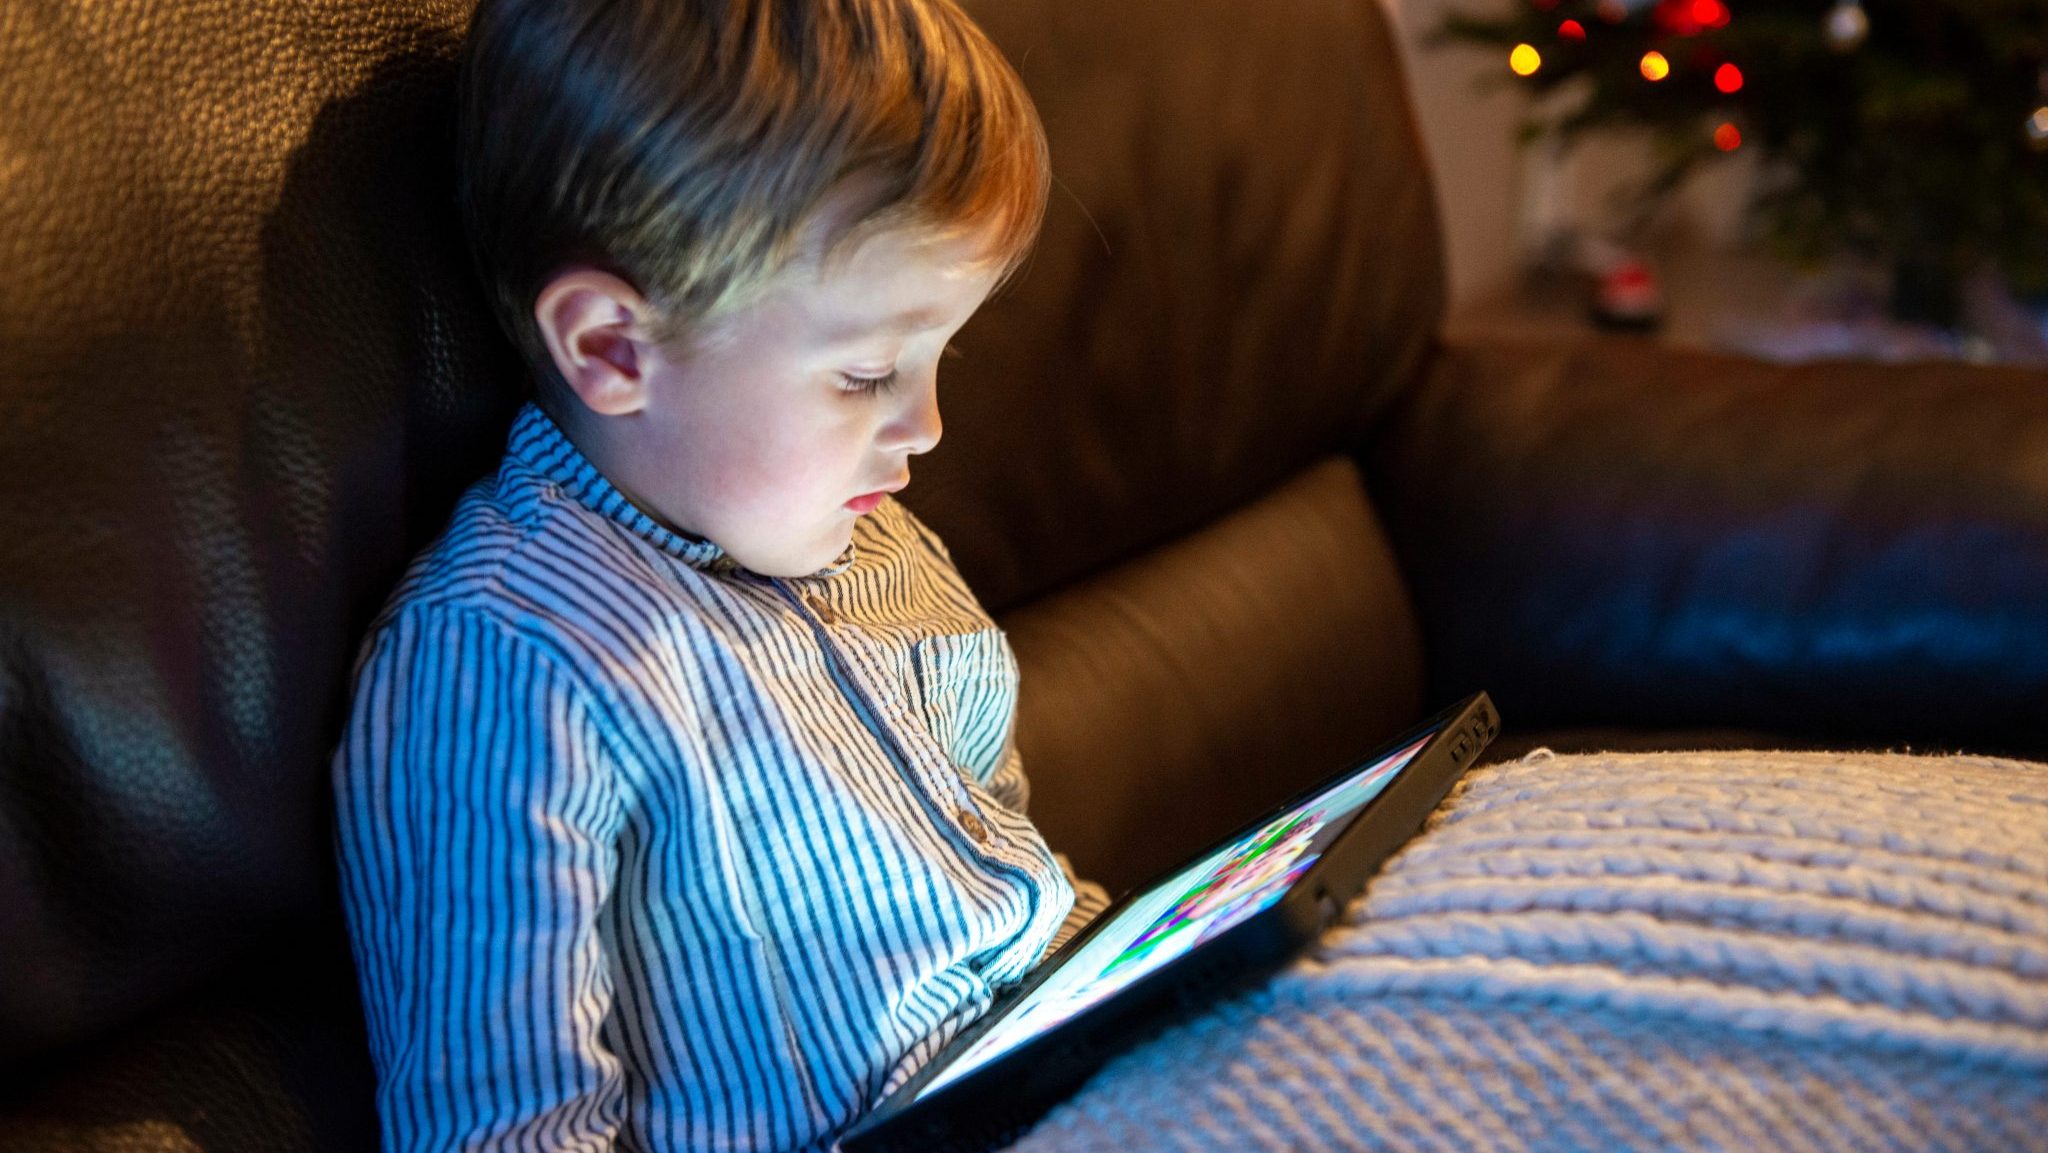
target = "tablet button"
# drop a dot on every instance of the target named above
(974, 827)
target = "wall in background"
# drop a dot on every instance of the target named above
(1469, 132)
(1500, 204)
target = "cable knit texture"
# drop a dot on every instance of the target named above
(1677, 951)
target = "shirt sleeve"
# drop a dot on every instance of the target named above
(1007, 784)
(476, 824)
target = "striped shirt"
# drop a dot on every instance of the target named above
(641, 850)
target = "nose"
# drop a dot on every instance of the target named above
(915, 427)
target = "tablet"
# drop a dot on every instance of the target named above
(1237, 910)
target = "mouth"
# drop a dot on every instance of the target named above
(869, 502)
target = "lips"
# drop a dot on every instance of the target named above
(863, 505)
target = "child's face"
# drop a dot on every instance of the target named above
(764, 432)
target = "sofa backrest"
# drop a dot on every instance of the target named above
(244, 374)
(1241, 268)
(244, 371)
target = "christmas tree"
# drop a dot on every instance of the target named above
(1910, 132)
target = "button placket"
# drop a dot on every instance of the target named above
(950, 781)
(819, 606)
(944, 783)
(974, 826)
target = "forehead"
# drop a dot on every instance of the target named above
(898, 281)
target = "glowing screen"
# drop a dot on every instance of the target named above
(1195, 905)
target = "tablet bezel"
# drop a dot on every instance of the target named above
(993, 1103)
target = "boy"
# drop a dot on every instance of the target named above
(677, 806)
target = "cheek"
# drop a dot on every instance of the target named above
(773, 460)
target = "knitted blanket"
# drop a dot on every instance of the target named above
(1678, 951)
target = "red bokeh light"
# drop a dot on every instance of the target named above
(1727, 138)
(1571, 30)
(1675, 17)
(1710, 13)
(1728, 78)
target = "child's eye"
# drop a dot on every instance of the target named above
(867, 384)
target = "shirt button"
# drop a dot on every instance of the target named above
(824, 611)
(974, 827)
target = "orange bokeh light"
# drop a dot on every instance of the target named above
(1728, 78)
(1727, 138)
(1655, 67)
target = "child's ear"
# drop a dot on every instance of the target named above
(595, 324)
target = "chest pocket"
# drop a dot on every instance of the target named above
(966, 694)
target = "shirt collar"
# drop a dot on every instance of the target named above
(539, 443)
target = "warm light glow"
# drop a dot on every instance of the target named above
(1571, 30)
(1727, 138)
(1710, 13)
(1655, 67)
(1675, 17)
(1728, 78)
(1524, 60)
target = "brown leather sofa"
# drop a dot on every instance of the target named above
(1209, 461)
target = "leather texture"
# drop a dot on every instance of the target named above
(1180, 695)
(245, 373)
(244, 370)
(269, 1056)
(1240, 267)
(1613, 533)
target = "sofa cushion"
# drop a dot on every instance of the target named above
(1181, 694)
(1614, 532)
(1794, 951)
(1516, 741)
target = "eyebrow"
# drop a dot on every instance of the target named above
(912, 321)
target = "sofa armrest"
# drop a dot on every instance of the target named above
(1611, 532)
(270, 1057)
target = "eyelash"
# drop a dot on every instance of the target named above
(868, 385)
(864, 385)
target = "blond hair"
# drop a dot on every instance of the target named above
(685, 144)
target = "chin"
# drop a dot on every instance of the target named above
(793, 564)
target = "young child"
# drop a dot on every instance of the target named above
(677, 806)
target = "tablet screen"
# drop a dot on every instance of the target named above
(1195, 905)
